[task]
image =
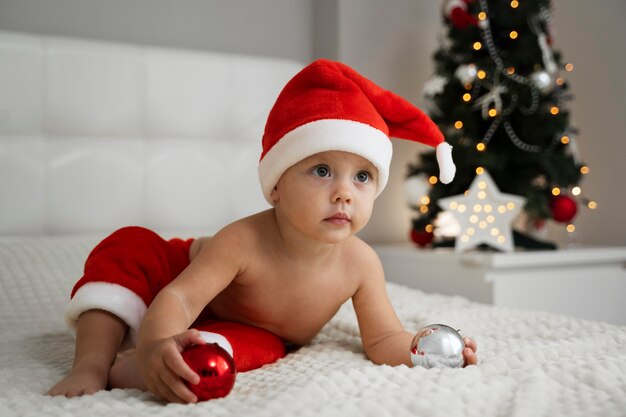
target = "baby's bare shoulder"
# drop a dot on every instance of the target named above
(359, 254)
(241, 235)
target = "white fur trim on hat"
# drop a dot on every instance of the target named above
(210, 337)
(447, 169)
(326, 135)
(113, 298)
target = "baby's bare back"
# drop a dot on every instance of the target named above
(291, 297)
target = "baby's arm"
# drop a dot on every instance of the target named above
(384, 339)
(163, 333)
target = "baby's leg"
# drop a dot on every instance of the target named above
(98, 338)
(123, 273)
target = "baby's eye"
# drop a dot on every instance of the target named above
(362, 176)
(321, 171)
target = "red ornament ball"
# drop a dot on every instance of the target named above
(563, 208)
(462, 19)
(215, 367)
(421, 237)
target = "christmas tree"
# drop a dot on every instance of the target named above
(499, 95)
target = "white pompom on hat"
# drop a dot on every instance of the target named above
(328, 106)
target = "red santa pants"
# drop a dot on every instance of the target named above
(124, 273)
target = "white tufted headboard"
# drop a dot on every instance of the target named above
(94, 136)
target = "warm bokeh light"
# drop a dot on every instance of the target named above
(432, 180)
(513, 34)
(458, 124)
(556, 191)
(481, 147)
(584, 169)
(565, 140)
(569, 67)
(554, 110)
(477, 46)
(467, 97)
(576, 191)
(480, 171)
(514, 4)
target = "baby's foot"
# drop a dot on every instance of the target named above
(80, 381)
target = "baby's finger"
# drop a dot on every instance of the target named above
(189, 337)
(166, 391)
(178, 366)
(470, 357)
(178, 388)
(470, 343)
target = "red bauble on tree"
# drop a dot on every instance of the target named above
(421, 237)
(457, 12)
(563, 208)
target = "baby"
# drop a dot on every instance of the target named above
(269, 280)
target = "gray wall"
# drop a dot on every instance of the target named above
(390, 42)
(278, 28)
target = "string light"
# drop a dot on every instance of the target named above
(565, 140)
(493, 112)
(584, 169)
(477, 46)
(569, 67)
(480, 170)
(425, 200)
(560, 81)
(513, 34)
(467, 97)
(556, 191)
(576, 191)
(432, 180)
(429, 228)
(510, 70)
(571, 228)
(514, 4)
(592, 205)
(554, 110)
(458, 124)
(481, 74)
(481, 147)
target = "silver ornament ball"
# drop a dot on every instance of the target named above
(466, 73)
(437, 346)
(543, 81)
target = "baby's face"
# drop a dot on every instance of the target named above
(328, 196)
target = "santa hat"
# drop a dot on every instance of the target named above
(328, 106)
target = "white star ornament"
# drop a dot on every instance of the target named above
(484, 214)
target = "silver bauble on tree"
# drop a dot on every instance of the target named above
(543, 81)
(466, 73)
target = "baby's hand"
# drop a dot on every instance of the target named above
(162, 367)
(469, 352)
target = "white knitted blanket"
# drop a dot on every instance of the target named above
(531, 363)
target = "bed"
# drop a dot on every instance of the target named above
(96, 135)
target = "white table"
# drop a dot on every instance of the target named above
(588, 283)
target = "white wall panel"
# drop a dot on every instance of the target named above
(93, 89)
